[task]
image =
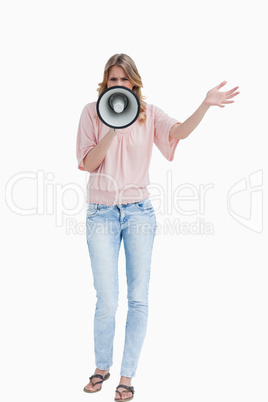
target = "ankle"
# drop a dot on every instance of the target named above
(125, 380)
(102, 372)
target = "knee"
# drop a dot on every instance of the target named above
(138, 297)
(138, 304)
(106, 309)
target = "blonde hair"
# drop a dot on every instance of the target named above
(126, 62)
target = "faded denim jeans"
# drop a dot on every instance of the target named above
(106, 226)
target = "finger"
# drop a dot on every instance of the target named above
(226, 102)
(232, 95)
(221, 84)
(232, 90)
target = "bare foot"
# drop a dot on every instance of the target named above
(90, 386)
(124, 392)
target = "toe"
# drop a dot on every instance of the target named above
(126, 395)
(91, 387)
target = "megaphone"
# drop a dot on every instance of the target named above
(118, 107)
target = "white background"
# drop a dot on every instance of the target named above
(207, 333)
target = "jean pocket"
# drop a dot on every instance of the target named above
(92, 210)
(144, 204)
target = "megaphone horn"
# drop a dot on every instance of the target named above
(118, 102)
(118, 107)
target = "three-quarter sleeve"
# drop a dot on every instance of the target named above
(162, 126)
(86, 139)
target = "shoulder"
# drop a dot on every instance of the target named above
(151, 110)
(156, 113)
(90, 108)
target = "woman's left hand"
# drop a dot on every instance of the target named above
(216, 98)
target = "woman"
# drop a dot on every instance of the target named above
(118, 207)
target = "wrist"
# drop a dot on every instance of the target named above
(206, 104)
(113, 132)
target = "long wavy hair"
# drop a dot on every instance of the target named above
(126, 62)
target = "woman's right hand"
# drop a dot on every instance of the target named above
(95, 156)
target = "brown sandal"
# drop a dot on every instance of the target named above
(130, 389)
(106, 377)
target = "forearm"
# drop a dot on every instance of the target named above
(182, 130)
(95, 156)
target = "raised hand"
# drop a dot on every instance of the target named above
(216, 98)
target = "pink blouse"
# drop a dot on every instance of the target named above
(123, 175)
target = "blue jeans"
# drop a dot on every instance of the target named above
(106, 226)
